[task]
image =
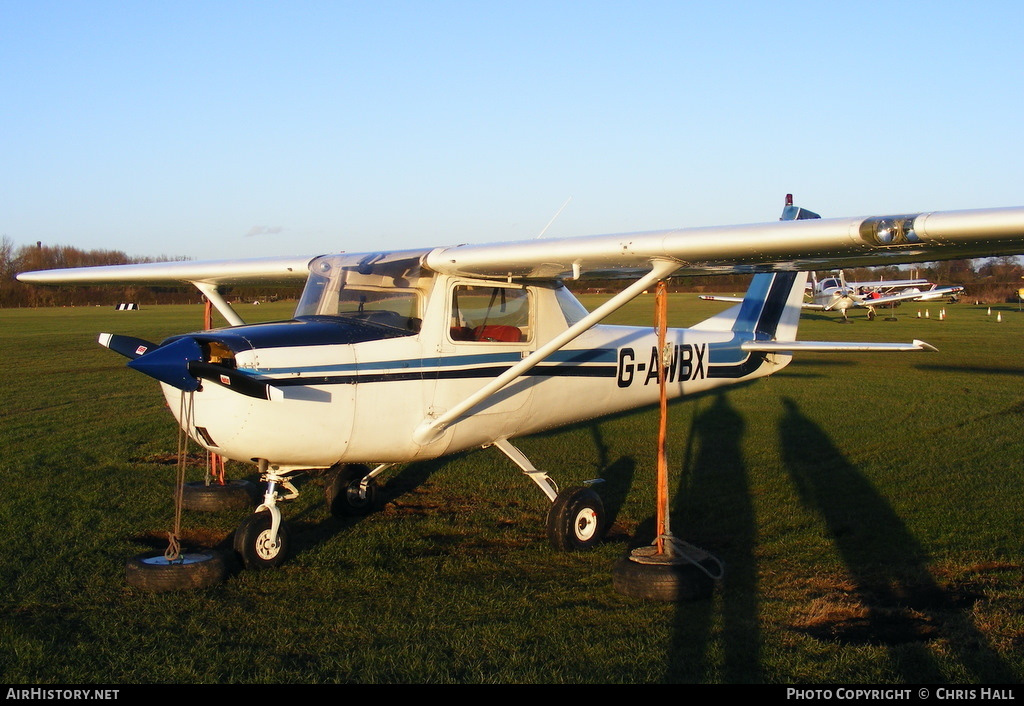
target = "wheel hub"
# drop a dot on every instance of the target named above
(586, 524)
(355, 495)
(265, 549)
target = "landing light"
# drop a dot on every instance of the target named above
(889, 230)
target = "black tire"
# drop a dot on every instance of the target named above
(576, 520)
(153, 572)
(234, 495)
(670, 582)
(251, 542)
(342, 490)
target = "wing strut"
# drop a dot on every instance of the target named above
(214, 295)
(430, 429)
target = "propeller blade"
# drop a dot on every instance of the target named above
(231, 378)
(128, 346)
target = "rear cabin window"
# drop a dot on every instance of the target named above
(490, 314)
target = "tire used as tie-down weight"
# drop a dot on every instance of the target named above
(196, 569)
(233, 495)
(671, 581)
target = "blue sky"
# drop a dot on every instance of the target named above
(223, 129)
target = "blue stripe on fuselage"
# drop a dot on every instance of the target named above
(596, 355)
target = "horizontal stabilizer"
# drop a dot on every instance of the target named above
(833, 346)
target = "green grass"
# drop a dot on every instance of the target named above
(868, 508)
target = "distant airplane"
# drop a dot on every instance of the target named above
(834, 293)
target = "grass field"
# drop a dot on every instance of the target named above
(868, 508)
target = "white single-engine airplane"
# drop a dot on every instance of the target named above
(475, 345)
(835, 293)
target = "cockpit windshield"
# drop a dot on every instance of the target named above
(377, 288)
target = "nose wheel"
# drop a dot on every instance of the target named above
(258, 544)
(262, 539)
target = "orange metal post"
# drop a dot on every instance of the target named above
(661, 321)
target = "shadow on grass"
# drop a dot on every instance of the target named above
(715, 509)
(401, 483)
(888, 597)
(979, 369)
(308, 528)
(712, 509)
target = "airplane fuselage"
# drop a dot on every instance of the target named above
(340, 393)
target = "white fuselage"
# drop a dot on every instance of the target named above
(362, 402)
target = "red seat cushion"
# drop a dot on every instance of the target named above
(506, 334)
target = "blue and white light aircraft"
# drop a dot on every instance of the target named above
(396, 357)
(835, 293)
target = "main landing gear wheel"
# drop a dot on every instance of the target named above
(154, 572)
(233, 495)
(576, 520)
(346, 494)
(252, 542)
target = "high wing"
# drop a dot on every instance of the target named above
(205, 275)
(904, 296)
(888, 284)
(811, 244)
(213, 272)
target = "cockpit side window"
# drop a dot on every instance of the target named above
(490, 314)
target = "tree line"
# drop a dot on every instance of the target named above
(989, 280)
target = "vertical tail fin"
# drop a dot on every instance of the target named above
(770, 309)
(795, 213)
